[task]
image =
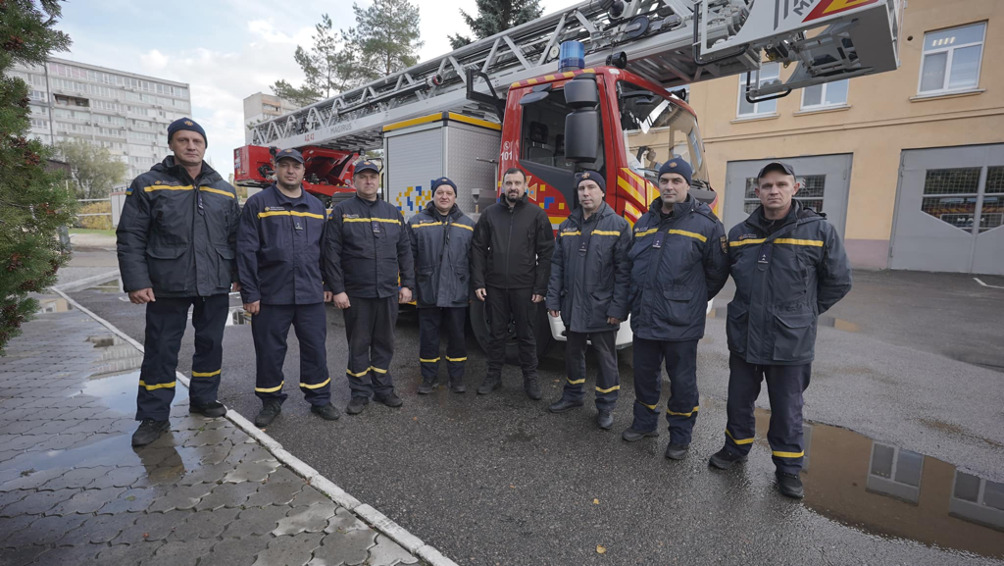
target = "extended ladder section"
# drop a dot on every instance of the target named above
(670, 42)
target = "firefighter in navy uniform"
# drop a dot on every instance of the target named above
(589, 286)
(789, 266)
(366, 251)
(176, 245)
(441, 241)
(679, 264)
(279, 262)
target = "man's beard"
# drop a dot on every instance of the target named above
(513, 200)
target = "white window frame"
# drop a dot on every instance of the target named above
(756, 105)
(822, 98)
(950, 50)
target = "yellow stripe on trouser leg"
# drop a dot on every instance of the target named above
(315, 385)
(738, 441)
(360, 374)
(157, 385)
(449, 359)
(378, 370)
(608, 390)
(575, 381)
(781, 454)
(429, 360)
(650, 407)
(270, 389)
(675, 414)
(206, 373)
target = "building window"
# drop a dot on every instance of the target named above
(769, 73)
(952, 59)
(826, 95)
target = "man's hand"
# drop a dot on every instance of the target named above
(613, 321)
(328, 295)
(252, 308)
(554, 314)
(235, 287)
(341, 300)
(480, 293)
(142, 296)
(537, 298)
(404, 295)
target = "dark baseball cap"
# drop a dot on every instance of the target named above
(778, 166)
(289, 154)
(366, 165)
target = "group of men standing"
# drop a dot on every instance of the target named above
(183, 240)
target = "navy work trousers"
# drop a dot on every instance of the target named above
(166, 319)
(270, 329)
(607, 378)
(369, 329)
(683, 404)
(501, 306)
(431, 322)
(785, 385)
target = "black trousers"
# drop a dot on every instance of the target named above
(270, 329)
(431, 320)
(607, 378)
(166, 319)
(785, 385)
(683, 404)
(369, 329)
(503, 305)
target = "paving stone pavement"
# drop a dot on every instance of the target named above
(74, 491)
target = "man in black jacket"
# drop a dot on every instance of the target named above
(441, 240)
(176, 246)
(511, 260)
(590, 279)
(367, 252)
(789, 266)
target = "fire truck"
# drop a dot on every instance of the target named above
(599, 85)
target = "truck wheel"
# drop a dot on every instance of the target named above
(480, 326)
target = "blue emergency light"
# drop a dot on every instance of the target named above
(571, 56)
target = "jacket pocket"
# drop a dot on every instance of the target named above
(677, 305)
(425, 285)
(166, 269)
(794, 336)
(226, 266)
(736, 327)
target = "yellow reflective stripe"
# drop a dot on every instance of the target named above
(650, 407)
(695, 409)
(627, 188)
(387, 220)
(606, 233)
(157, 386)
(424, 224)
(152, 188)
(270, 389)
(575, 233)
(206, 373)
(646, 232)
(360, 374)
(611, 390)
(797, 242)
(575, 381)
(745, 242)
(739, 442)
(780, 454)
(216, 191)
(463, 359)
(464, 226)
(290, 213)
(428, 361)
(688, 234)
(378, 370)
(315, 385)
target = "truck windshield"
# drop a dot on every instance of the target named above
(543, 138)
(655, 129)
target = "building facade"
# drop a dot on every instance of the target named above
(124, 112)
(907, 165)
(260, 107)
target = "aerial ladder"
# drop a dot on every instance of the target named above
(669, 42)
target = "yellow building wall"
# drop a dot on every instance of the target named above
(884, 115)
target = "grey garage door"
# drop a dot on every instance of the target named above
(824, 181)
(950, 210)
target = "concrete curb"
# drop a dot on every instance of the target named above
(365, 512)
(87, 281)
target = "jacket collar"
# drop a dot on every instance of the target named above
(797, 214)
(519, 204)
(170, 167)
(283, 199)
(431, 210)
(679, 209)
(578, 217)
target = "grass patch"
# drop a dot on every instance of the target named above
(90, 231)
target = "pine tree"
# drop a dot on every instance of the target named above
(330, 66)
(387, 36)
(33, 201)
(495, 16)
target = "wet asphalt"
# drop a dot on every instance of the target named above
(912, 360)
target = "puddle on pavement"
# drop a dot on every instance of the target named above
(236, 315)
(109, 286)
(886, 490)
(53, 305)
(824, 320)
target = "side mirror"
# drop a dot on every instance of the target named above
(582, 125)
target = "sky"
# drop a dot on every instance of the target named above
(227, 50)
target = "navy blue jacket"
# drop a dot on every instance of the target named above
(590, 287)
(786, 273)
(366, 249)
(442, 249)
(178, 235)
(680, 262)
(279, 249)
